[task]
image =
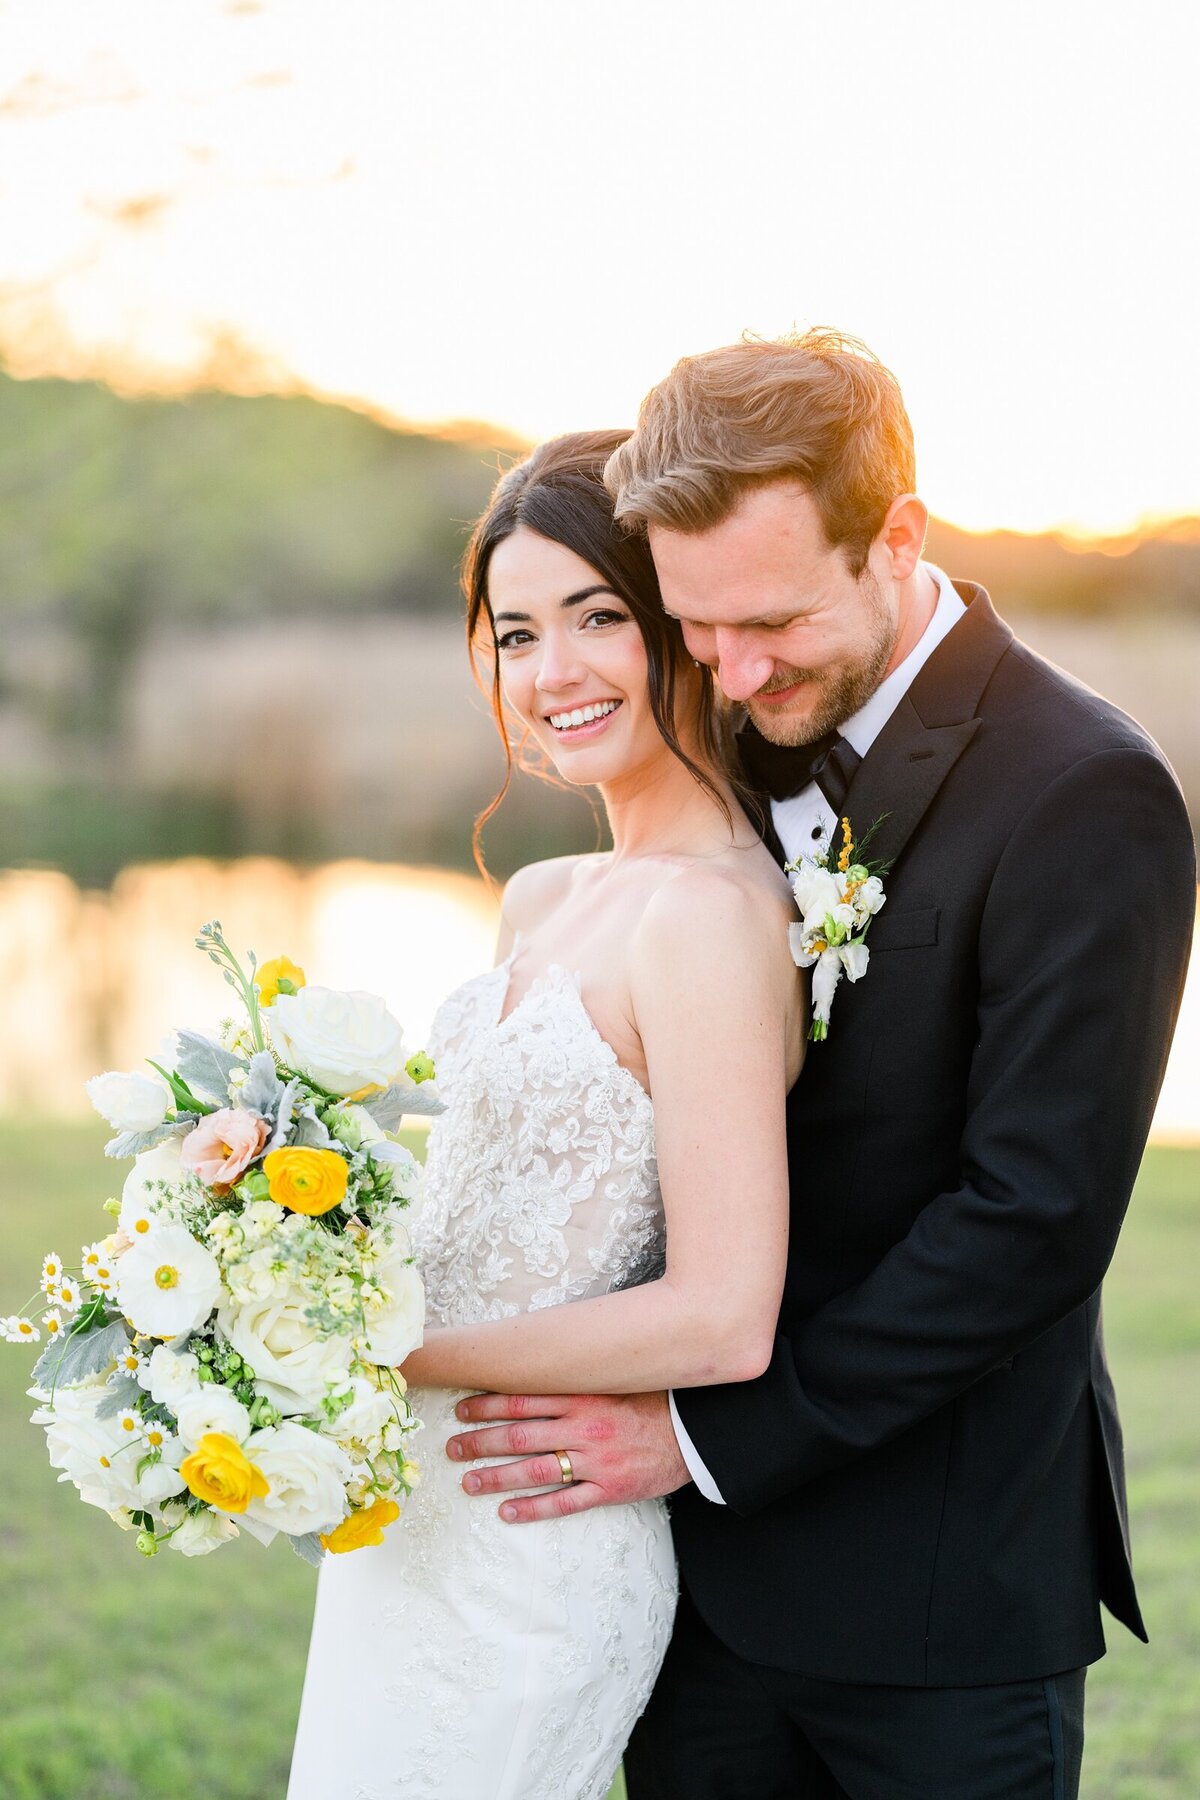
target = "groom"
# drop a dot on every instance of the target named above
(894, 1544)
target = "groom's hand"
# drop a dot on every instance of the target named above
(621, 1448)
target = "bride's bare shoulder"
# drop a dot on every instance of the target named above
(740, 902)
(535, 891)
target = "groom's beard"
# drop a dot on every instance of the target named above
(841, 691)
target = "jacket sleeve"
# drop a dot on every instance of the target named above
(1083, 948)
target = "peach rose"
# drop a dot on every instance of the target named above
(223, 1144)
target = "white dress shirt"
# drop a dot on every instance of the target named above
(801, 824)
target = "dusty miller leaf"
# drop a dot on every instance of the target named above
(287, 1101)
(123, 1392)
(309, 1548)
(309, 1133)
(389, 1108)
(79, 1355)
(205, 1066)
(262, 1089)
(132, 1143)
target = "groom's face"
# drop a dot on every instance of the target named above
(777, 614)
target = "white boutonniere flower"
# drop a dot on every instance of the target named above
(836, 903)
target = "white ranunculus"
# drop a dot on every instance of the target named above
(130, 1102)
(344, 1041)
(96, 1454)
(161, 1480)
(306, 1477)
(293, 1365)
(395, 1325)
(167, 1283)
(170, 1376)
(211, 1408)
(198, 1533)
(140, 1198)
(816, 892)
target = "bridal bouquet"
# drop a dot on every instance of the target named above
(225, 1355)
(837, 901)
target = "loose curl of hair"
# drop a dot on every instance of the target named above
(559, 492)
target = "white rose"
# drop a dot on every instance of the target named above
(167, 1283)
(395, 1324)
(170, 1376)
(345, 1041)
(211, 1408)
(293, 1365)
(130, 1102)
(306, 1478)
(140, 1199)
(198, 1533)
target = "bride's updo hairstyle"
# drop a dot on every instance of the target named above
(559, 492)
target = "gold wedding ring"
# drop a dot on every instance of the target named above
(564, 1463)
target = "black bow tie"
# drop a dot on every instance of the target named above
(782, 770)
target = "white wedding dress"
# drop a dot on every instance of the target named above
(467, 1659)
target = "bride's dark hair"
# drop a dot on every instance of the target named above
(559, 492)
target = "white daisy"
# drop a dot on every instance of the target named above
(67, 1294)
(18, 1330)
(101, 1276)
(158, 1438)
(52, 1273)
(91, 1257)
(131, 1361)
(129, 1422)
(52, 1324)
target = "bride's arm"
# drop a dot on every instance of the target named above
(718, 1005)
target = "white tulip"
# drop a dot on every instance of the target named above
(130, 1102)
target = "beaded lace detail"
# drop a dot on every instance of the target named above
(541, 1184)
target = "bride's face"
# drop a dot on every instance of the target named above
(573, 664)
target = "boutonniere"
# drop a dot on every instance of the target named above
(837, 902)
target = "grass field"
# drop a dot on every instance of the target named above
(170, 1679)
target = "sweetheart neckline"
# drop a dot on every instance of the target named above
(557, 975)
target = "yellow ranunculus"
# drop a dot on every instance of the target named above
(361, 1528)
(219, 1471)
(306, 1181)
(279, 976)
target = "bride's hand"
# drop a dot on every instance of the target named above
(621, 1448)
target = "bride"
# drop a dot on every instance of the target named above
(605, 1202)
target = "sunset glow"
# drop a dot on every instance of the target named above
(525, 214)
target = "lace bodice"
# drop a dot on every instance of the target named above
(540, 1182)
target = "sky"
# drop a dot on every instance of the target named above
(523, 213)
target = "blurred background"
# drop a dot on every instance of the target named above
(282, 287)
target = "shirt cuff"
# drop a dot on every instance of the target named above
(691, 1456)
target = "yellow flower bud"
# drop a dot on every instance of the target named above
(306, 1181)
(361, 1528)
(219, 1471)
(279, 976)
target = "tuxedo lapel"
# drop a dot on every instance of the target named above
(935, 721)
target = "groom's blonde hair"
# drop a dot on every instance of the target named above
(815, 407)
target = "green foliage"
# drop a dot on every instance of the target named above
(147, 1679)
(114, 511)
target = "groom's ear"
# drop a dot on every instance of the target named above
(903, 534)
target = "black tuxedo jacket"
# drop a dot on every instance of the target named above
(926, 1486)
